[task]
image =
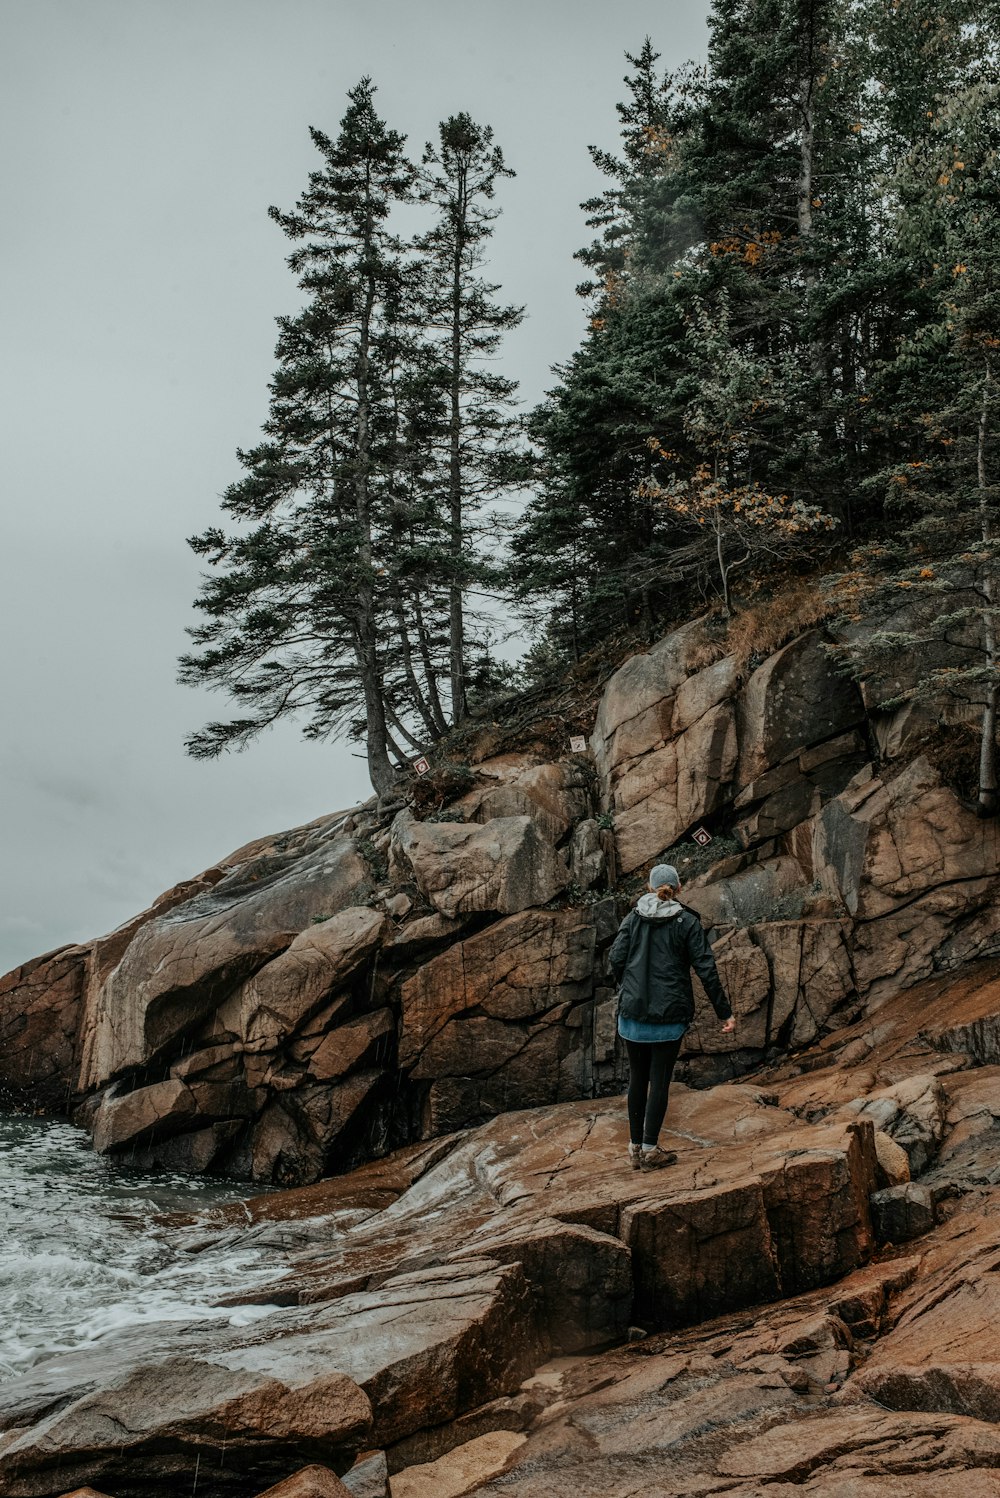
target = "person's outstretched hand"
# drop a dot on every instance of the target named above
(730, 1025)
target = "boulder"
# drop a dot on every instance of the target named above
(902, 1212)
(918, 871)
(180, 965)
(368, 1040)
(812, 976)
(282, 995)
(581, 1279)
(588, 862)
(746, 977)
(912, 1112)
(316, 1127)
(39, 1020)
(699, 1253)
(369, 1477)
(777, 1229)
(424, 1346)
(502, 866)
(673, 787)
(635, 714)
(795, 699)
(163, 1108)
(489, 1024)
(848, 1438)
(555, 795)
(143, 1433)
(941, 1354)
(893, 1162)
(515, 970)
(749, 896)
(461, 1470)
(310, 1482)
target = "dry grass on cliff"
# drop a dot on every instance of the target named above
(762, 628)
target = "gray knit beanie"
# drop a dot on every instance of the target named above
(664, 873)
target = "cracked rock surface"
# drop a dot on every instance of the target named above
(389, 974)
(513, 1311)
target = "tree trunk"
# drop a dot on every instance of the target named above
(456, 519)
(433, 696)
(807, 153)
(987, 803)
(380, 767)
(406, 654)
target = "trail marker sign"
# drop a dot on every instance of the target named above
(578, 745)
(701, 837)
(421, 765)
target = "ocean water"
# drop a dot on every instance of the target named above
(83, 1255)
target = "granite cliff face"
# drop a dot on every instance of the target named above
(482, 1298)
(380, 977)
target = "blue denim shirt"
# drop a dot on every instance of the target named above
(647, 1032)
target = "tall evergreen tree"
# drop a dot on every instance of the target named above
(458, 309)
(588, 542)
(299, 602)
(928, 593)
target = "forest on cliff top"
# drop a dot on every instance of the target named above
(786, 388)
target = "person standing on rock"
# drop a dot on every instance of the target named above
(657, 945)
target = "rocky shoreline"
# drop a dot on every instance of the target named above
(400, 1015)
(822, 1257)
(392, 974)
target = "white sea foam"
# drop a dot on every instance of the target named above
(81, 1253)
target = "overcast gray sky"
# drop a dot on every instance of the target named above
(143, 141)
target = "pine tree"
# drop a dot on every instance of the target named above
(649, 118)
(712, 228)
(478, 438)
(587, 552)
(928, 592)
(300, 604)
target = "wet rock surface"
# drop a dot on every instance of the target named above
(512, 1310)
(416, 1003)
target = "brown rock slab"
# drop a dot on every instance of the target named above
(902, 1212)
(581, 1279)
(917, 869)
(368, 1040)
(310, 1482)
(516, 970)
(750, 895)
(491, 1023)
(301, 1135)
(701, 1251)
(151, 1426)
(795, 699)
(369, 1477)
(674, 787)
(180, 964)
(553, 795)
(461, 1469)
(424, 1346)
(39, 1020)
(636, 709)
(794, 1452)
(505, 865)
(273, 1004)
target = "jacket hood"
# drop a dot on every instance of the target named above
(655, 909)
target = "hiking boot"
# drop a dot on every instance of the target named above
(656, 1159)
(634, 1154)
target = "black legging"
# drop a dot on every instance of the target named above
(650, 1068)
